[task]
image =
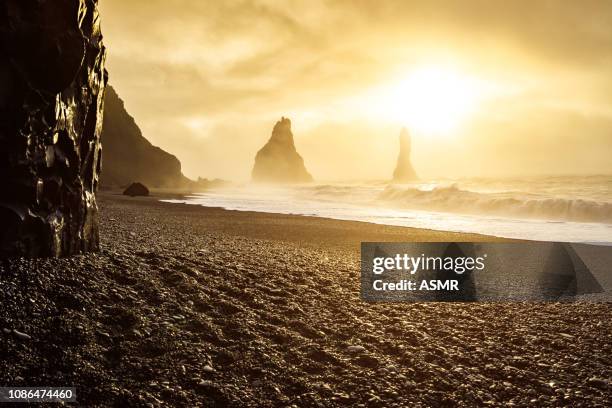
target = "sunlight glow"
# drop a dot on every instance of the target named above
(431, 100)
(196, 124)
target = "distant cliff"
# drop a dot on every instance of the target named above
(404, 171)
(278, 161)
(128, 157)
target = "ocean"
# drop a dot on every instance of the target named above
(556, 208)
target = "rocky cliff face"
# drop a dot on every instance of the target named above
(129, 157)
(52, 81)
(404, 171)
(278, 161)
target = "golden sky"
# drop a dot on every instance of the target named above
(486, 87)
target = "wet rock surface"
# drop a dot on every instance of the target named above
(404, 172)
(187, 306)
(278, 161)
(52, 82)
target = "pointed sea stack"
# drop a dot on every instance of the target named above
(404, 172)
(278, 161)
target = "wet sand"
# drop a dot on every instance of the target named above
(191, 306)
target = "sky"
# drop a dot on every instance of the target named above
(486, 88)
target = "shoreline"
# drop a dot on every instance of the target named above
(499, 227)
(312, 227)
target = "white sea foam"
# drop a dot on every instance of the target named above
(576, 209)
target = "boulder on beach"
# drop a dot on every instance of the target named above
(404, 172)
(278, 161)
(136, 189)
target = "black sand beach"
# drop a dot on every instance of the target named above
(189, 306)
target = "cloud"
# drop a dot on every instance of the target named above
(207, 78)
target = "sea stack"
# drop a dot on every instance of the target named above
(52, 81)
(404, 172)
(278, 161)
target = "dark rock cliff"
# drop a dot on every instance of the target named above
(128, 157)
(278, 161)
(52, 81)
(404, 171)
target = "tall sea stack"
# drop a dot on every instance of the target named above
(278, 161)
(404, 172)
(52, 81)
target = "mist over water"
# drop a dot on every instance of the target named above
(574, 209)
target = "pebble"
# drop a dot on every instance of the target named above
(597, 382)
(21, 336)
(355, 349)
(342, 396)
(205, 383)
(104, 334)
(208, 369)
(367, 361)
(6, 331)
(374, 398)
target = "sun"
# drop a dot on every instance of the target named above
(435, 100)
(431, 100)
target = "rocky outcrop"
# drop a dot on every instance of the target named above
(404, 172)
(52, 81)
(136, 189)
(128, 156)
(278, 161)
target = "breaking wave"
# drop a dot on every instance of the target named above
(451, 198)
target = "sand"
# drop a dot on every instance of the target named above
(189, 306)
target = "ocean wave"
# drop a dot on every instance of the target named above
(451, 198)
(330, 189)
